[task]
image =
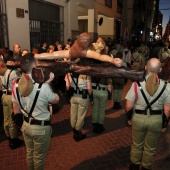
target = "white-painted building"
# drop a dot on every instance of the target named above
(73, 14)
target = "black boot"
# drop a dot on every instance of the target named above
(101, 128)
(95, 127)
(118, 106)
(133, 166)
(15, 143)
(143, 168)
(78, 135)
(115, 105)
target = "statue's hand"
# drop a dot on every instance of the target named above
(118, 62)
(51, 77)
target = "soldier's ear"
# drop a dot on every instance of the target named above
(160, 69)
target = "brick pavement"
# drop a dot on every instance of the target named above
(107, 151)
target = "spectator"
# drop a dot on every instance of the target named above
(50, 49)
(17, 52)
(43, 48)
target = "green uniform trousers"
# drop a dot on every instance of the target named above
(100, 99)
(145, 134)
(118, 85)
(9, 126)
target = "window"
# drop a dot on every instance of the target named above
(108, 3)
(119, 6)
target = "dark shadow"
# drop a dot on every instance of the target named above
(111, 110)
(110, 124)
(2, 134)
(163, 163)
(63, 127)
(115, 160)
(63, 101)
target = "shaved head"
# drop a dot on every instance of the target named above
(153, 65)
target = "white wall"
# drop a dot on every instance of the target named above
(107, 28)
(18, 28)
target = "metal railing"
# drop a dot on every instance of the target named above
(45, 22)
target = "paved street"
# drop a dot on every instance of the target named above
(107, 151)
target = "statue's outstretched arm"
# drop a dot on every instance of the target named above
(53, 56)
(103, 57)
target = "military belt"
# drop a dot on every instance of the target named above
(99, 88)
(7, 92)
(33, 121)
(80, 91)
(152, 112)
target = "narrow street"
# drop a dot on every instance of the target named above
(107, 151)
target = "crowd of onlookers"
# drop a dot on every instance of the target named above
(133, 54)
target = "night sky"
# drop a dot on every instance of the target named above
(164, 4)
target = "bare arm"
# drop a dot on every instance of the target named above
(16, 108)
(103, 57)
(166, 115)
(167, 110)
(89, 87)
(109, 87)
(128, 106)
(56, 99)
(53, 56)
(90, 91)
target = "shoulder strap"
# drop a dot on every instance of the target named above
(135, 59)
(164, 87)
(6, 87)
(143, 94)
(97, 81)
(35, 99)
(17, 91)
(8, 78)
(162, 59)
(76, 83)
(149, 104)
(136, 91)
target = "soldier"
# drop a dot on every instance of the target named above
(102, 88)
(118, 84)
(7, 76)
(145, 52)
(31, 101)
(136, 59)
(164, 52)
(81, 88)
(150, 101)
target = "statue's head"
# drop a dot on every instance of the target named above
(84, 40)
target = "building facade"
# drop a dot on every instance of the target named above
(166, 35)
(139, 19)
(30, 22)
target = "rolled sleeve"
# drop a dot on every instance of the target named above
(131, 94)
(48, 92)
